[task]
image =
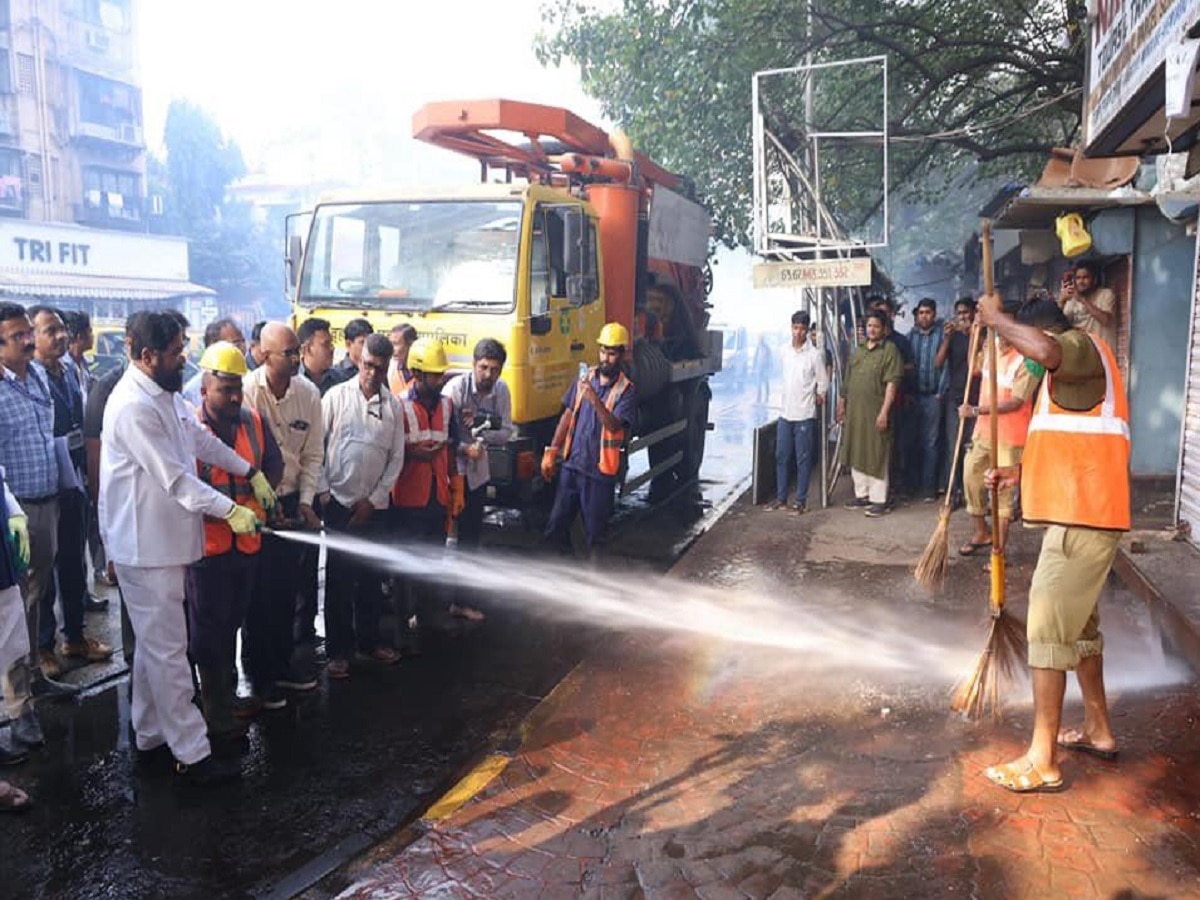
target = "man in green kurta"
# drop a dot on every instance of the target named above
(872, 379)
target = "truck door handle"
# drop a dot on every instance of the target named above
(576, 346)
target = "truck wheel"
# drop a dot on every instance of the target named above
(695, 434)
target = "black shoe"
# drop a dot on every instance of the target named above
(156, 758)
(858, 503)
(53, 690)
(94, 604)
(12, 756)
(799, 508)
(26, 730)
(877, 511)
(272, 698)
(210, 771)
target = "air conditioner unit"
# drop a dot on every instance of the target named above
(97, 40)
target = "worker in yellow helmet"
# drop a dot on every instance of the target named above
(429, 490)
(220, 584)
(599, 415)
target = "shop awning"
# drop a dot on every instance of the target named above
(1037, 207)
(50, 286)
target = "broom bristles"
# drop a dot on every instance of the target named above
(999, 662)
(930, 571)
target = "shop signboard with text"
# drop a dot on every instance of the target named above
(1128, 42)
(59, 249)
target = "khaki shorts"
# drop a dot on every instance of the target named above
(975, 465)
(1064, 621)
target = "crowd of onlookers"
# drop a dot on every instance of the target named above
(385, 444)
(904, 394)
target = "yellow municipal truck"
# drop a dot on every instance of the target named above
(568, 228)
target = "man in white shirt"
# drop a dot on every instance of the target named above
(151, 516)
(805, 381)
(364, 452)
(291, 407)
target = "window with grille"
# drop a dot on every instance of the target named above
(33, 170)
(25, 79)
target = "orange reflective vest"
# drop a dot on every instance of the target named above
(399, 384)
(411, 489)
(1012, 427)
(610, 441)
(1075, 470)
(248, 444)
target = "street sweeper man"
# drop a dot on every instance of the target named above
(1074, 478)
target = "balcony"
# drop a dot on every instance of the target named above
(124, 134)
(108, 210)
(12, 196)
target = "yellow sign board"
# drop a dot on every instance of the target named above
(814, 273)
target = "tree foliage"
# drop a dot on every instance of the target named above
(996, 82)
(227, 250)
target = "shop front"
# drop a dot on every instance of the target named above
(106, 274)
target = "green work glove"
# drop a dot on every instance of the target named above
(1036, 369)
(243, 520)
(18, 533)
(262, 490)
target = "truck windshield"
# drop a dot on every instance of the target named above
(413, 256)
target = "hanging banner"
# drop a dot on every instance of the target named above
(814, 273)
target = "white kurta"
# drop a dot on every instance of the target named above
(150, 516)
(151, 502)
(364, 444)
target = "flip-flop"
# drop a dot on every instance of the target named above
(1022, 780)
(13, 799)
(970, 548)
(1083, 745)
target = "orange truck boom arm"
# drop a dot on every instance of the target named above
(470, 127)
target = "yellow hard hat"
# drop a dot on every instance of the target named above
(428, 355)
(614, 334)
(222, 358)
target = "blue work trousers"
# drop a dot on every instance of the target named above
(927, 413)
(579, 493)
(794, 440)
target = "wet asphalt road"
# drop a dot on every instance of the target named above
(340, 768)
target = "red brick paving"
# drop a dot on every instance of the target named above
(688, 769)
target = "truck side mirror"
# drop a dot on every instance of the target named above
(295, 252)
(577, 249)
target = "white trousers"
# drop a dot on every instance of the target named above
(870, 487)
(163, 711)
(14, 643)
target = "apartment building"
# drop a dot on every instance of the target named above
(74, 218)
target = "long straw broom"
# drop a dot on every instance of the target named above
(1005, 647)
(930, 570)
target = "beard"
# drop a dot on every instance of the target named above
(609, 371)
(170, 380)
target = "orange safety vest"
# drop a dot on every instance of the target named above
(610, 441)
(398, 384)
(248, 444)
(1075, 470)
(411, 489)
(1012, 427)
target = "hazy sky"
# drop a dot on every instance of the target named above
(326, 90)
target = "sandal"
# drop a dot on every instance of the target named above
(13, 799)
(385, 655)
(1075, 739)
(470, 613)
(337, 668)
(1021, 777)
(970, 548)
